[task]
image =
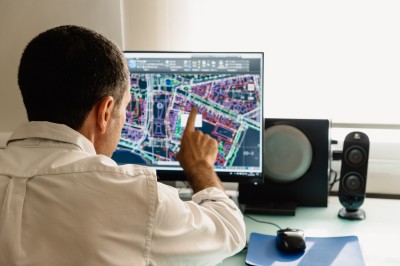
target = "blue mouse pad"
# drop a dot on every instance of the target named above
(343, 250)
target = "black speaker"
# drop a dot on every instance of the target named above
(353, 175)
(296, 167)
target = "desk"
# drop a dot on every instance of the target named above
(379, 233)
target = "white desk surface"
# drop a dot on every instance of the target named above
(379, 233)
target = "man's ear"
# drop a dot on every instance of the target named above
(104, 112)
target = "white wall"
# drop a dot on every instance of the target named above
(323, 59)
(20, 21)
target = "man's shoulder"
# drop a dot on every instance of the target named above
(100, 163)
(133, 170)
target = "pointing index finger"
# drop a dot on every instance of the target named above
(190, 125)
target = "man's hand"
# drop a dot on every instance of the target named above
(197, 156)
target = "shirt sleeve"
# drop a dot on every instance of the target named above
(203, 231)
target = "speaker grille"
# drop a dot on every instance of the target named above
(288, 153)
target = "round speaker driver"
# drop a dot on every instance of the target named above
(288, 153)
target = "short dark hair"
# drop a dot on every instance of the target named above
(66, 70)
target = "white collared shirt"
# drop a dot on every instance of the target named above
(62, 204)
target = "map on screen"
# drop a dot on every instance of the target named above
(228, 94)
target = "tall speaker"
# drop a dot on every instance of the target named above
(296, 167)
(353, 175)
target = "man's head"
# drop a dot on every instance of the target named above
(66, 70)
(74, 76)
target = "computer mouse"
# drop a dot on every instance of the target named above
(290, 240)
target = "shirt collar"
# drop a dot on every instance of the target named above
(52, 131)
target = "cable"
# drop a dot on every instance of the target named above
(263, 222)
(335, 179)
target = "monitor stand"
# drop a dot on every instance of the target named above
(271, 208)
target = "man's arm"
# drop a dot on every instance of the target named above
(197, 156)
(210, 227)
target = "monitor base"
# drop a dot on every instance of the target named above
(271, 208)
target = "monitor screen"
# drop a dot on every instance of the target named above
(227, 88)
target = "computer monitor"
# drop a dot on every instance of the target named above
(227, 88)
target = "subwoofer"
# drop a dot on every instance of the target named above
(296, 167)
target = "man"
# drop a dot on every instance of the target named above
(65, 202)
